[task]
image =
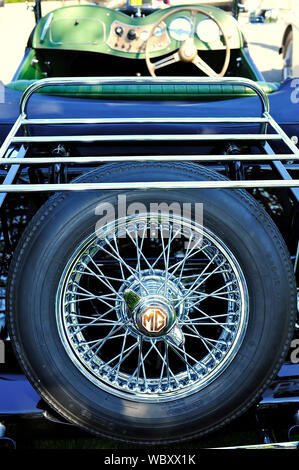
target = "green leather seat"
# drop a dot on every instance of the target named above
(149, 91)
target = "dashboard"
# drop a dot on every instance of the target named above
(94, 28)
(127, 38)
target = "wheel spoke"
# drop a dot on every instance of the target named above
(211, 324)
(190, 291)
(178, 352)
(123, 355)
(92, 323)
(204, 67)
(106, 282)
(133, 272)
(203, 321)
(165, 362)
(166, 257)
(198, 336)
(142, 361)
(104, 340)
(185, 259)
(179, 263)
(163, 249)
(84, 273)
(87, 297)
(139, 251)
(82, 343)
(118, 253)
(215, 296)
(114, 330)
(172, 59)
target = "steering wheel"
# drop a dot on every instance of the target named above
(188, 51)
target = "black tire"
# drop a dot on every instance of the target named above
(46, 247)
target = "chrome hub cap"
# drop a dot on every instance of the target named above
(152, 317)
(150, 304)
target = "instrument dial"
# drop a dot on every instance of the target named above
(208, 31)
(158, 31)
(180, 29)
(144, 35)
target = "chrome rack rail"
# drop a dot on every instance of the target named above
(14, 148)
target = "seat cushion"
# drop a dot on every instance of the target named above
(141, 91)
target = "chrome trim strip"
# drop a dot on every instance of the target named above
(150, 185)
(144, 120)
(153, 158)
(144, 137)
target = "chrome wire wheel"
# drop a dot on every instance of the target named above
(152, 311)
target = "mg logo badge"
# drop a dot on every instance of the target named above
(154, 320)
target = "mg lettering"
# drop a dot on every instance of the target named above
(154, 320)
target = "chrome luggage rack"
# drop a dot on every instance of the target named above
(13, 151)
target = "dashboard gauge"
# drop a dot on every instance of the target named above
(208, 31)
(158, 31)
(180, 29)
(144, 35)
